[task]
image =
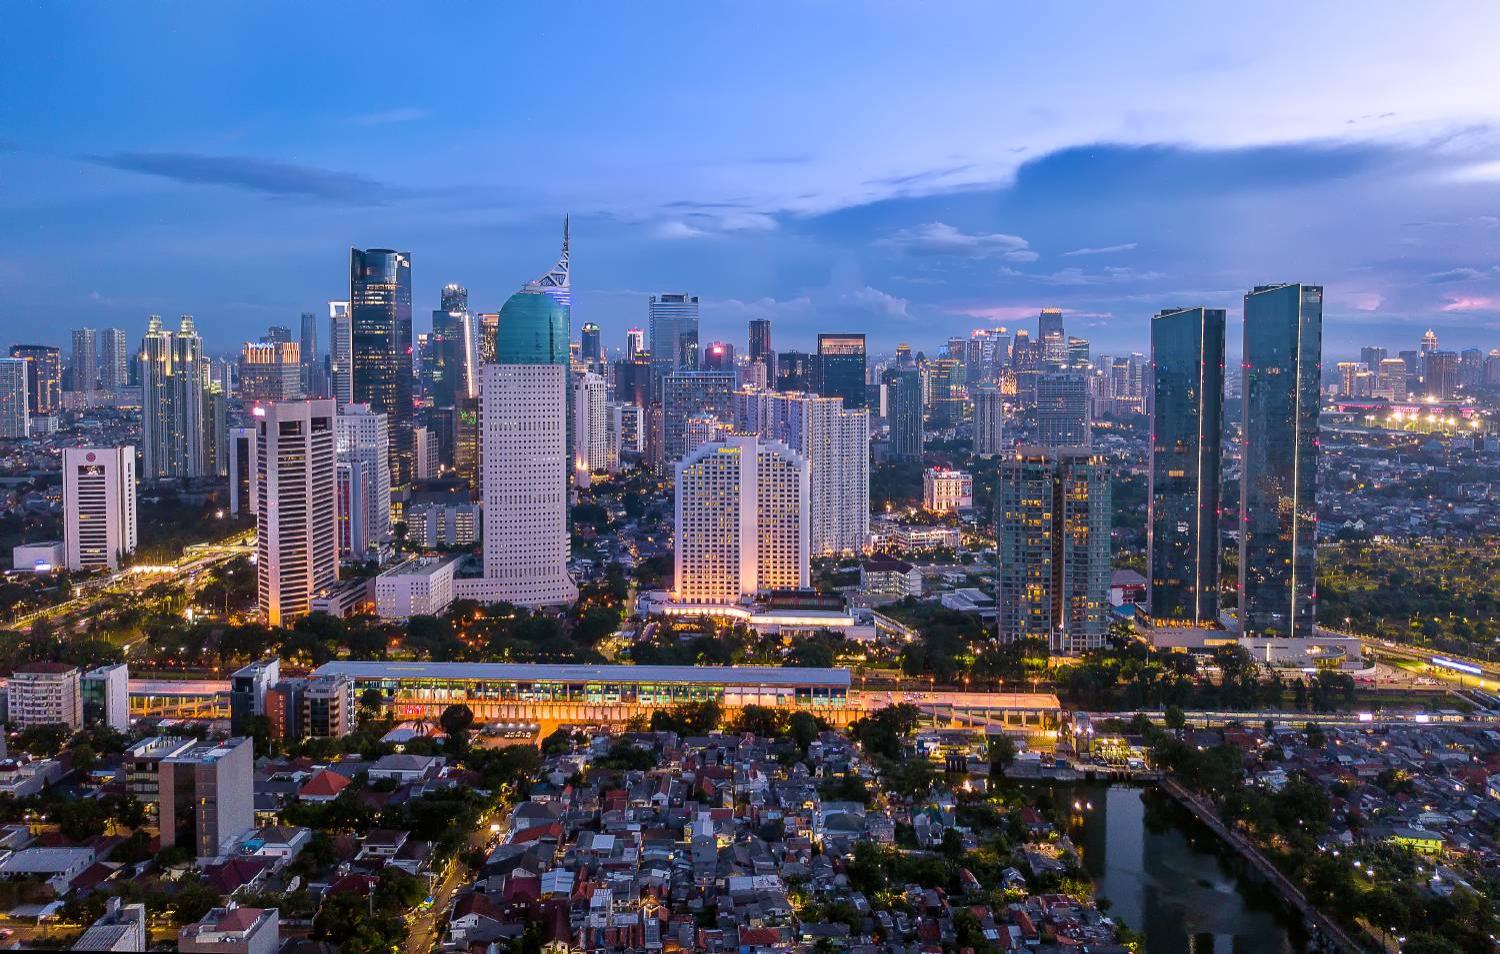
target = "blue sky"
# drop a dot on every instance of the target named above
(910, 170)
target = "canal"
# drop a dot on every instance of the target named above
(1165, 878)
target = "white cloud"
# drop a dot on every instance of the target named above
(386, 117)
(1101, 250)
(940, 238)
(876, 300)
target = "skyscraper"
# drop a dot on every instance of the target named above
(98, 506)
(1279, 477)
(1052, 519)
(362, 436)
(524, 440)
(270, 372)
(835, 442)
(1062, 409)
(215, 431)
(296, 510)
(1390, 380)
(380, 320)
(173, 376)
(945, 391)
(15, 420)
(718, 356)
(44, 376)
(453, 339)
(686, 393)
(524, 476)
(314, 380)
(83, 366)
(590, 426)
(1049, 322)
(591, 346)
(904, 412)
(989, 420)
(742, 523)
(1440, 374)
(1187, 409)
(673, 322)
(635, 342)
(114, 366)
(794, 371)
(1371, 357)
(760, 347)
(340, 353)
(841, 368)
(241, 452)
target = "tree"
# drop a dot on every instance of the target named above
(1002, 752)
(456, 721)
(1176, 719)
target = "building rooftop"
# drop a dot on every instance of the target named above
(421, 566)
(521, 672)
(45, 668)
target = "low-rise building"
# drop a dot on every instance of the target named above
(122, 927)
(421, 587)
(947, 491)
(233, 930)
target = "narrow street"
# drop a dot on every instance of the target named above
(427, 926)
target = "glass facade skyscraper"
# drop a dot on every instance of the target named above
(380, 328)
(1279, 480)
(841, 368)
(904, 412)
(674, 332)
(1187, 411)
(533, 325)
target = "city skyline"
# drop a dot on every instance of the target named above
(1067, 194)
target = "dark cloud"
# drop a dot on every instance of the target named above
(265, 176)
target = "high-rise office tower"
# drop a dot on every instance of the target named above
(296, 510)
(525, 460)
(44, 376)
(1062, 409)
(1492, 368)
(743, 519)
(635, 342)
(1390, 380)
(1279, 474)
(380, 326)
(673, 322)
(1187, 412)
(841, 368)
(362, 434)
(206, 801)
(590, 426)
(1052, 518)
(633, 379)
(488, 329)
(15, 419)
(354, 487)
(83, 367)
(718, 356)
(1470, 368)
(524, 440)
(945, 391)
(173, 375)
(1371, 357)
(1049, 322)
(215, 431)
(277, 334)
(760, 348)
(904, 357)
(270, 371)
(241, 453)
(1078, 352)
(99, 524)
(1440, 375)
(340, 353)
(314, 378)
(1348, 377)
(686, 393)
(1429, 341)
(627, 432)
(794, 371)
(114, 361)
(989, 420)
(455, 362)
(835, 442)
(904, 412)
(591, 345)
